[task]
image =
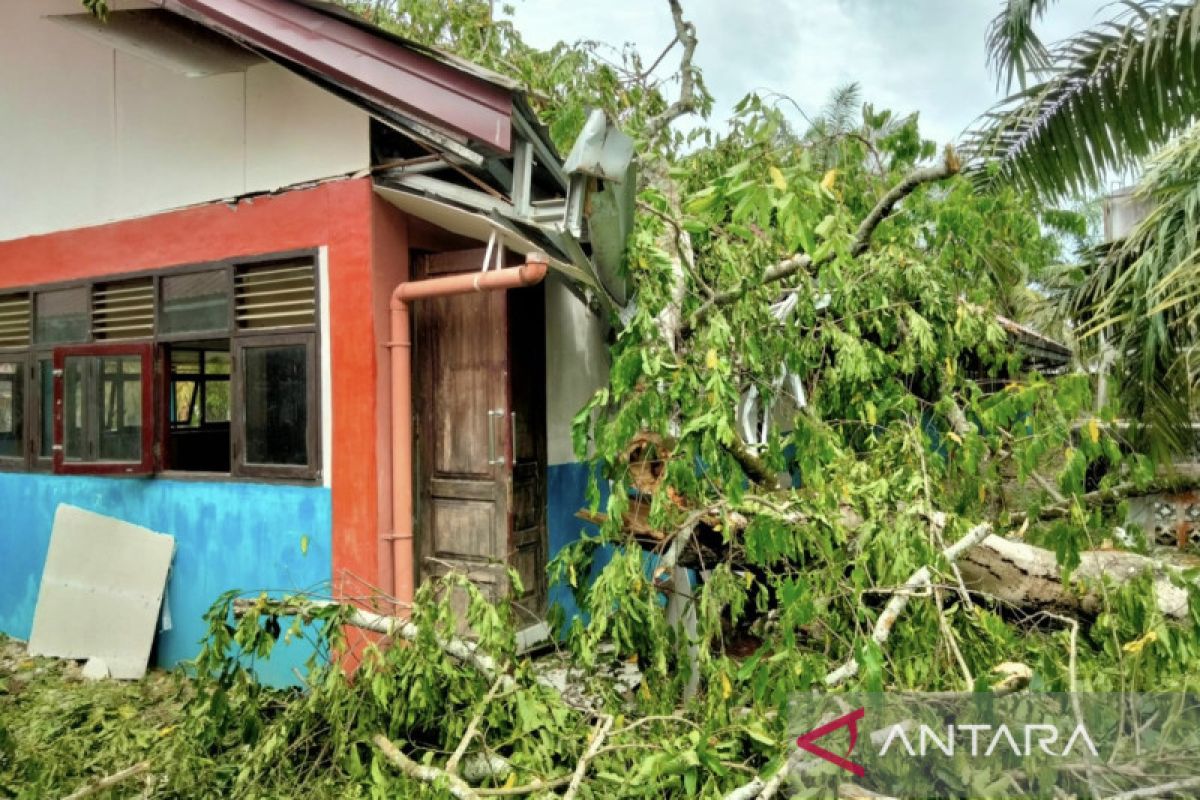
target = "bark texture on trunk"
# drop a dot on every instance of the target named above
(1026, 576)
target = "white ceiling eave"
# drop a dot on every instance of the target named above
(477, 226)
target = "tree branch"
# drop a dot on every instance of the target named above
(598, 736)
(455, 785)
(919, 580)
(754, 467)
(950, 166)
(862, 238)
(472, 728)
(108, 781)
(686, 103)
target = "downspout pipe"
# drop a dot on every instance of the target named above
(402, 566)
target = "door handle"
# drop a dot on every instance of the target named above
(495, 415)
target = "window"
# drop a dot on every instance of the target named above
(198, 413)
(14, 321)
(207, 369)
(61, 316)
(12, 409)
(195, 302)
(104, 409)
(276, 401)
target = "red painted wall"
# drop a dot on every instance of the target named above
(390, 247)
(338, 215)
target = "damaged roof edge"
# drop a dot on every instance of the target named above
(348, 16)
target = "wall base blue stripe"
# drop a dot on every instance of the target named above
(227, 536)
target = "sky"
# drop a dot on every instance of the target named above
(908, 55)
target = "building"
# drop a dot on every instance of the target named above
(220, 220)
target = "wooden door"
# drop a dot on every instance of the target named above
(480, 400)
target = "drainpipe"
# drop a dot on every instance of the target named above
(400, 539)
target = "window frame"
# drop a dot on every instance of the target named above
(311, 333)
(147, 353)
(20, 463)
(238, 464)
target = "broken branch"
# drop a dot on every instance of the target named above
(1021, 574)
(472, 728)
(598, 736)
(455, 785)
(108, 781)
(1158, 791)
(919, 580)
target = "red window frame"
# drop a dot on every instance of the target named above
(150, 417)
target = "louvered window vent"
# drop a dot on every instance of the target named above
(14, 320)
(278, 295)
(123, 310)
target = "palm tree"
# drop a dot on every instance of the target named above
(1099, 103)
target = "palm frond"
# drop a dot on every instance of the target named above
(841, 109)
(1143, 296)
(1013, 48)
(1111, 96)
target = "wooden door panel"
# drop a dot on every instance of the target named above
(466, 344)
(463, 528)
(464, 488)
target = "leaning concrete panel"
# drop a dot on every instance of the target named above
(101, 591)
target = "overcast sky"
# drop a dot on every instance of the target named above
(908, 55)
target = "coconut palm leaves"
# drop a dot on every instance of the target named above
(1103, 100)
(1143, 298)
(1014, 50)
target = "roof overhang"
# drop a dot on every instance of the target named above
(482, 228)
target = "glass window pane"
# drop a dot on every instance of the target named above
(12, 410)
(102, 408)
(74, 441)
(61, 316)
(216, 363)
(198, 301)
(276, 391)
(216, 401)
(121, 408)
(45, 380)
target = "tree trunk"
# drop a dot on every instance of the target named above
(1026, 576)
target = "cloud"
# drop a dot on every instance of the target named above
(908, 55)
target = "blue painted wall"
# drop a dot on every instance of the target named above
(227, 536)
(566, 486)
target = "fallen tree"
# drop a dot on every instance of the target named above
(1031, 579)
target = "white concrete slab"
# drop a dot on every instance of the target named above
(101, 591)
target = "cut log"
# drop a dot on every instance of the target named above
(1029, 577)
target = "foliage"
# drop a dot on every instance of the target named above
(1104, 99)
(1014, 48)
(1141, 297)
(56, 730)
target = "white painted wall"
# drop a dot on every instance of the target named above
(576, 364)
(89, 135)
